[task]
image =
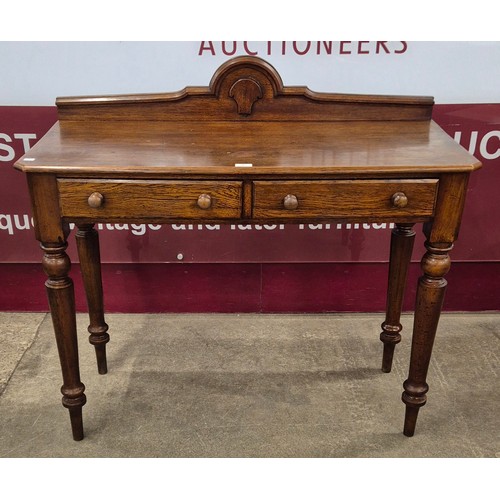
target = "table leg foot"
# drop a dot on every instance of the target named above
(414, 397)
(75, 414)
(410, 420)
(388, 355)
(102, 364)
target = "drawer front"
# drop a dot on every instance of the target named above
(150, 199)
(370, 199)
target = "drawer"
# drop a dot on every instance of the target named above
(369, 199)
(102, 199)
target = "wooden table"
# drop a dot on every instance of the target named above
(246, 149)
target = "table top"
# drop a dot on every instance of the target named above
(314, 148)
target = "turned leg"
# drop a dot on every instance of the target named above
(61, 296)
(430, 295)
(87, 240)
(402, 239)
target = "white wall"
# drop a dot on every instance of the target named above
(34, 73)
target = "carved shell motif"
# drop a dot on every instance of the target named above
(245, 91)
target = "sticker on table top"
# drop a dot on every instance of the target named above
(28, 159)
(243, 164)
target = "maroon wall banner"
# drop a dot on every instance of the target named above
(131, 247)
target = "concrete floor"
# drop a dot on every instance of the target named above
(198, 385)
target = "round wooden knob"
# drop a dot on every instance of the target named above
(399, 200)
(290, 202)
(204, 201)
(95, 200)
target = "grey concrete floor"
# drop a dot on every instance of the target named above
(215, 385)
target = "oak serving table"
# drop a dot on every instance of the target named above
(246, 149)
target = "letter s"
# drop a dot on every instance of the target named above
(403, 48)
(5, 147)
